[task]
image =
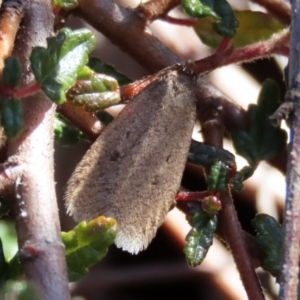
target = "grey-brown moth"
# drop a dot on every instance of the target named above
(133, 170)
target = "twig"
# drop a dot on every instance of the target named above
(11, 14)
(87, 122)
(234, 236)
(37, 222)
(291, 225)
(229, 225)
(156, 9)
(125, 28)
(276, 45)
(278, 8)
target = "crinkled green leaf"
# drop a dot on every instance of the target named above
(65, 133)
(262, 141)
(65, 4)
(205, 155)
(254, 26)
(217, 178)
(240, 176)
(270, 239)
(12, 71)
(11, 116)
(56, 67)
(87, 244)
(200, 237)
(98, 66)
(94, 92)
(19, 290)
(224, 23)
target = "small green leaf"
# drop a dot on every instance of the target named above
(95, 93)
(205, 155)
(99, 67)
(262, 141)
(12, 71)
(200, 237)
(240, 176)
(65, 133)
(65, 4)
(56, 67)
(224, 24)
(11, 116)
(217, 179)
(270, 239)
(87, 244)
(253, 27)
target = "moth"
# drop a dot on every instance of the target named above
(133, 171)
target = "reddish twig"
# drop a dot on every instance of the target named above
(276, 45)
(224, 45)
(87, 122)
(229, 226)
(182, 22)
(235, 239)
(187, 196)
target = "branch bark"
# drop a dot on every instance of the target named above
(41, 250)
(290, 269)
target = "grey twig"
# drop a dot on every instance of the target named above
(41, 250)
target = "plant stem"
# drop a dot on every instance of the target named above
(156, 9)
(27, 91)
(229, 225)
(245, 54)
(87, 122)
(291, 225)
(41, 250)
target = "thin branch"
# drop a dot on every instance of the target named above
(156, 9)
(125, 28)
(278, 8)
(234, 236)
(41, 250)
(276, 45)
(229, 226)
(11, 14)
(291, 225)
(87, 122)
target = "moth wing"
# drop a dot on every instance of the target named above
(133, 170)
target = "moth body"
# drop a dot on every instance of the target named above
(133, 170)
